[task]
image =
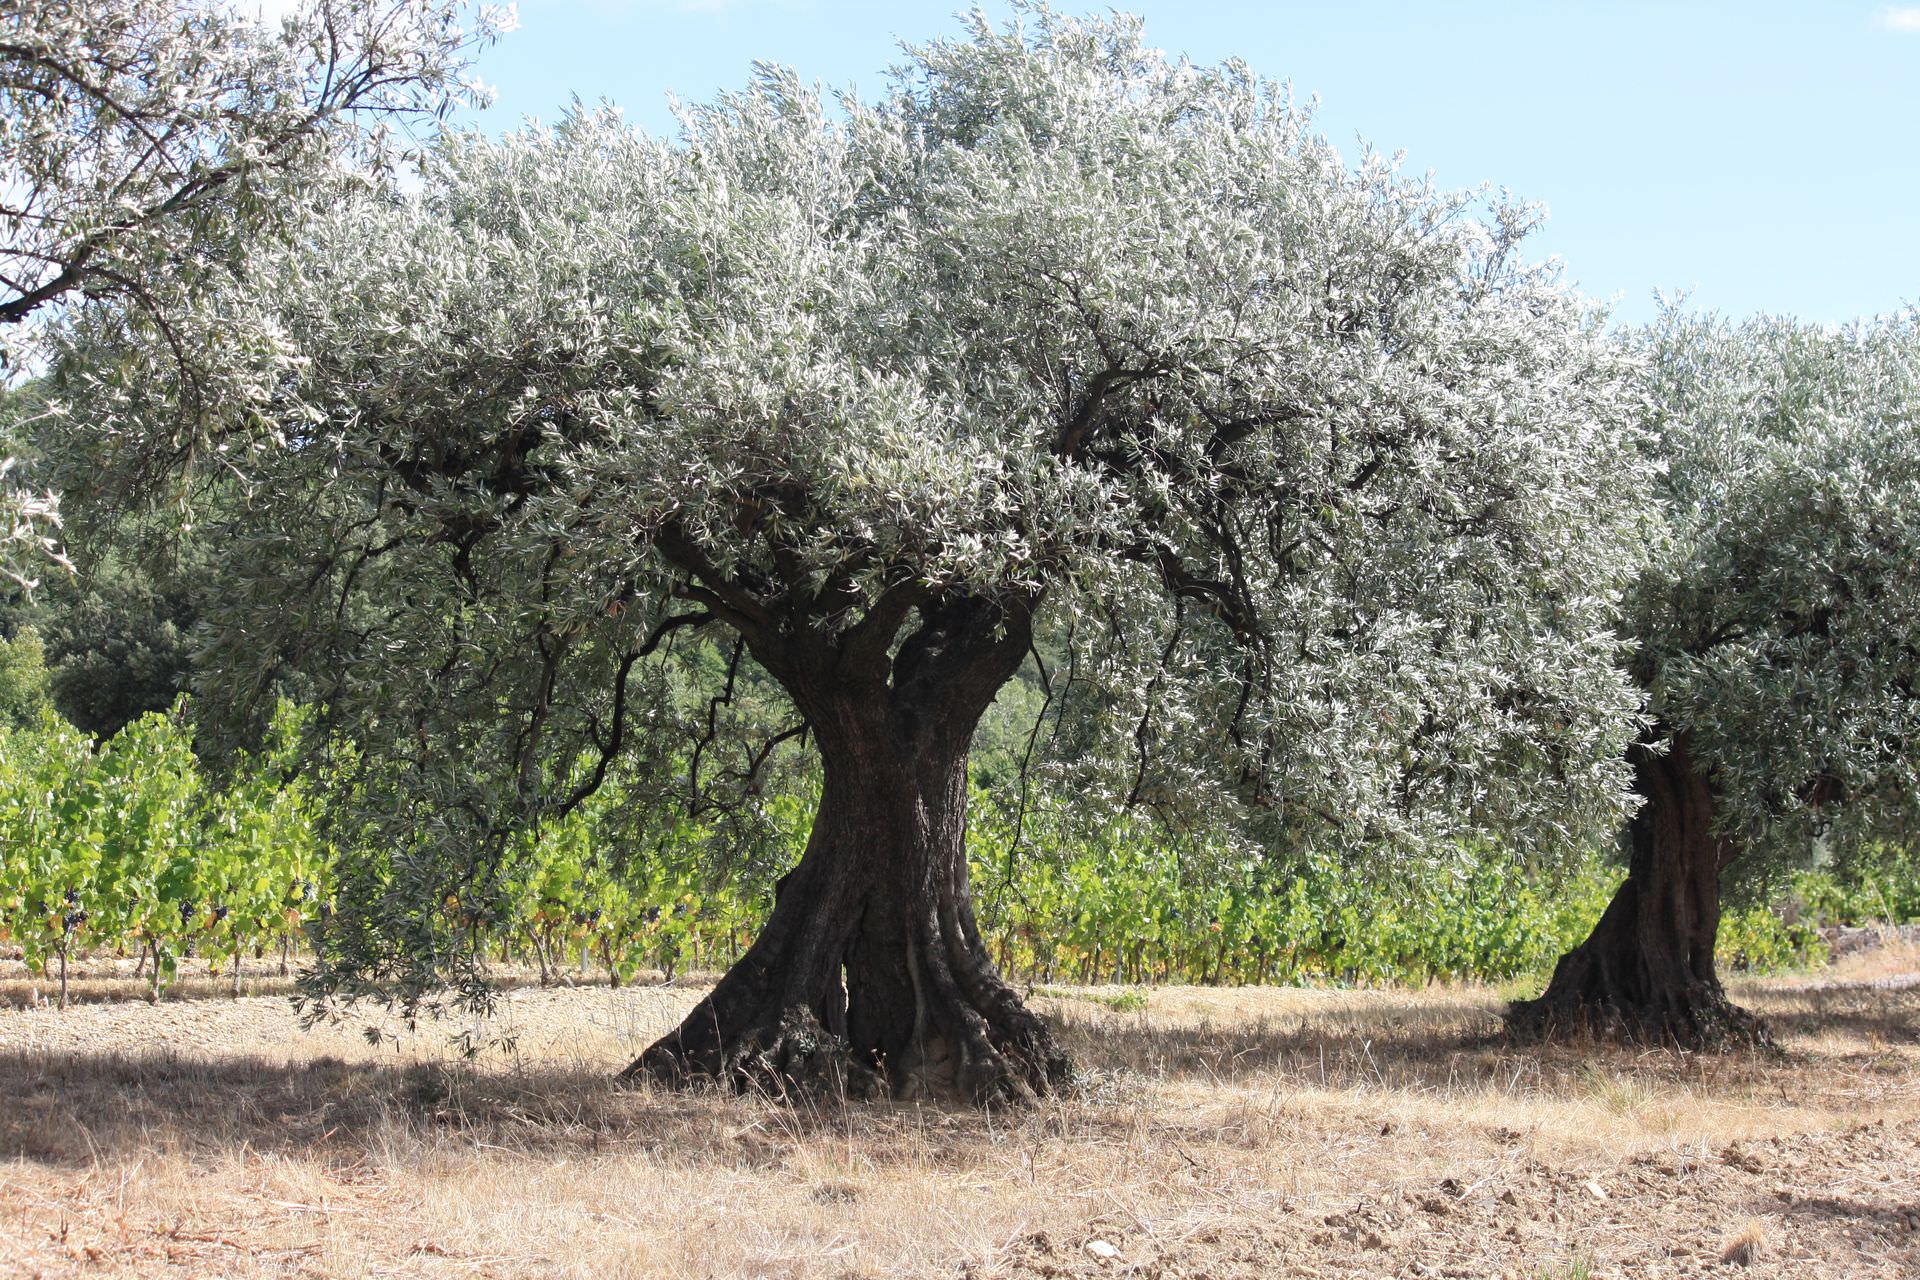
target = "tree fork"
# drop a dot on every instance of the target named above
(1646, 973)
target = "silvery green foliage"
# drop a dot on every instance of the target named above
(29, 531)
(1778, 616)
(1313, 476)
(29, 512)
(143, 141)
(133, 132)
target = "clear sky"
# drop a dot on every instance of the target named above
(1759, 156)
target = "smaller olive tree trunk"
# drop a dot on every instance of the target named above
(1646, 973)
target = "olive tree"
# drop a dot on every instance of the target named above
(1776, 632)
(1300, 462)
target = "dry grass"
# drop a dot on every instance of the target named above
(1218, 1133)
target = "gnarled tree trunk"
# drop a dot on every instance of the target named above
(871, 974)
(1646, 973)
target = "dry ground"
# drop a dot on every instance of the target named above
(1219, 1133)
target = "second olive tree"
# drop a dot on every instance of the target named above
(1775, 626)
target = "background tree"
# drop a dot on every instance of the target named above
(136, 133)
(1296, 462)
(118, 633)
(143, 143)
(1776, 626)
(25, 696)
(112, 629)
(117, 626)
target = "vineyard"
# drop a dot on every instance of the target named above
(124, 846)
(129, 847)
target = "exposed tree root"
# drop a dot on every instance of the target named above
(1584, 1001)
(1012, 1059)
(792, 1056)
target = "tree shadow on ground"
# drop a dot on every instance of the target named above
(1431, 1048)
(1889, 1217)
(1388, 1045)
(1868, 1014)
(77, 1107)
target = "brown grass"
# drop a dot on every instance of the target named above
(1217, 1133)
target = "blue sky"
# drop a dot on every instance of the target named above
(1760, 156)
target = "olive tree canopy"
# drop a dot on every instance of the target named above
(1302, 464)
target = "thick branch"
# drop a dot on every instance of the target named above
(725, 598)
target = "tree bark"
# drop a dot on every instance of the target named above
(870, 975)
(1646, 974)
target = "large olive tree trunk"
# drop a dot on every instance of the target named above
(870, 973)
(1646, 973)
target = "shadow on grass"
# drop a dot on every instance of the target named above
(1396, 1044)
(36, 991)
(1858, 1012)
(1451, 1049)
(76, 1107)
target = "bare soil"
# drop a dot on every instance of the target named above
(1216, 1133)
